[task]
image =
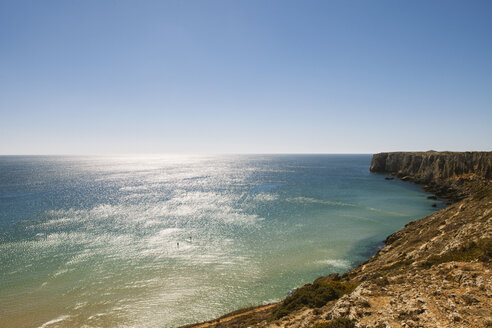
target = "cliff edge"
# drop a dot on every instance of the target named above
(435, 272)
(451, 175)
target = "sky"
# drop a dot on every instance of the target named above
(244, 76)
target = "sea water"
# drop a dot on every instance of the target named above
(162, 241)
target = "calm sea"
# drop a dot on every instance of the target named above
(163, 241)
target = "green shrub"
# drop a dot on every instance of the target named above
(313, 296)
(480, 250)
(483, 193)
(337, 323)
(400, 265)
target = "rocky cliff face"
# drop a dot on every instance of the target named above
(447, 174)
(431, 166)
(435, 272)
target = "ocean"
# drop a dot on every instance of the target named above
(162, 241)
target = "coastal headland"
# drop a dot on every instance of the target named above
(435, 272)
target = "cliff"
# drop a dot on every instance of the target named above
(431, 166)
(448, 174)
(435, 272)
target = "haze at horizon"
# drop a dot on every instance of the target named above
(119, 77)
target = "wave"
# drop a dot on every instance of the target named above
(54, 321)
(337, 263)
(309, 200)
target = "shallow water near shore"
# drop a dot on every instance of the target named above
(162, 241)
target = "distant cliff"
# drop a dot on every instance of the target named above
(445, 173)
(431, 166)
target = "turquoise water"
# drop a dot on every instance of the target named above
(93, 241)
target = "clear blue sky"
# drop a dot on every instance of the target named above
(108, 77)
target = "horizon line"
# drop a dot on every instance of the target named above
(221, 154)
(187, 154)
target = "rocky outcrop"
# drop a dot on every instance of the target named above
(450, 175)
(435, 272)
(431, 166)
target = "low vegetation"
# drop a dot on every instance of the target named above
(336, 323)
(397, 266)
(480, 250)
(485, 192)
(313, 296)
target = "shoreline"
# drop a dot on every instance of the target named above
(374, 249)
(441, 174)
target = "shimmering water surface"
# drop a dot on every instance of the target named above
(93, 241)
